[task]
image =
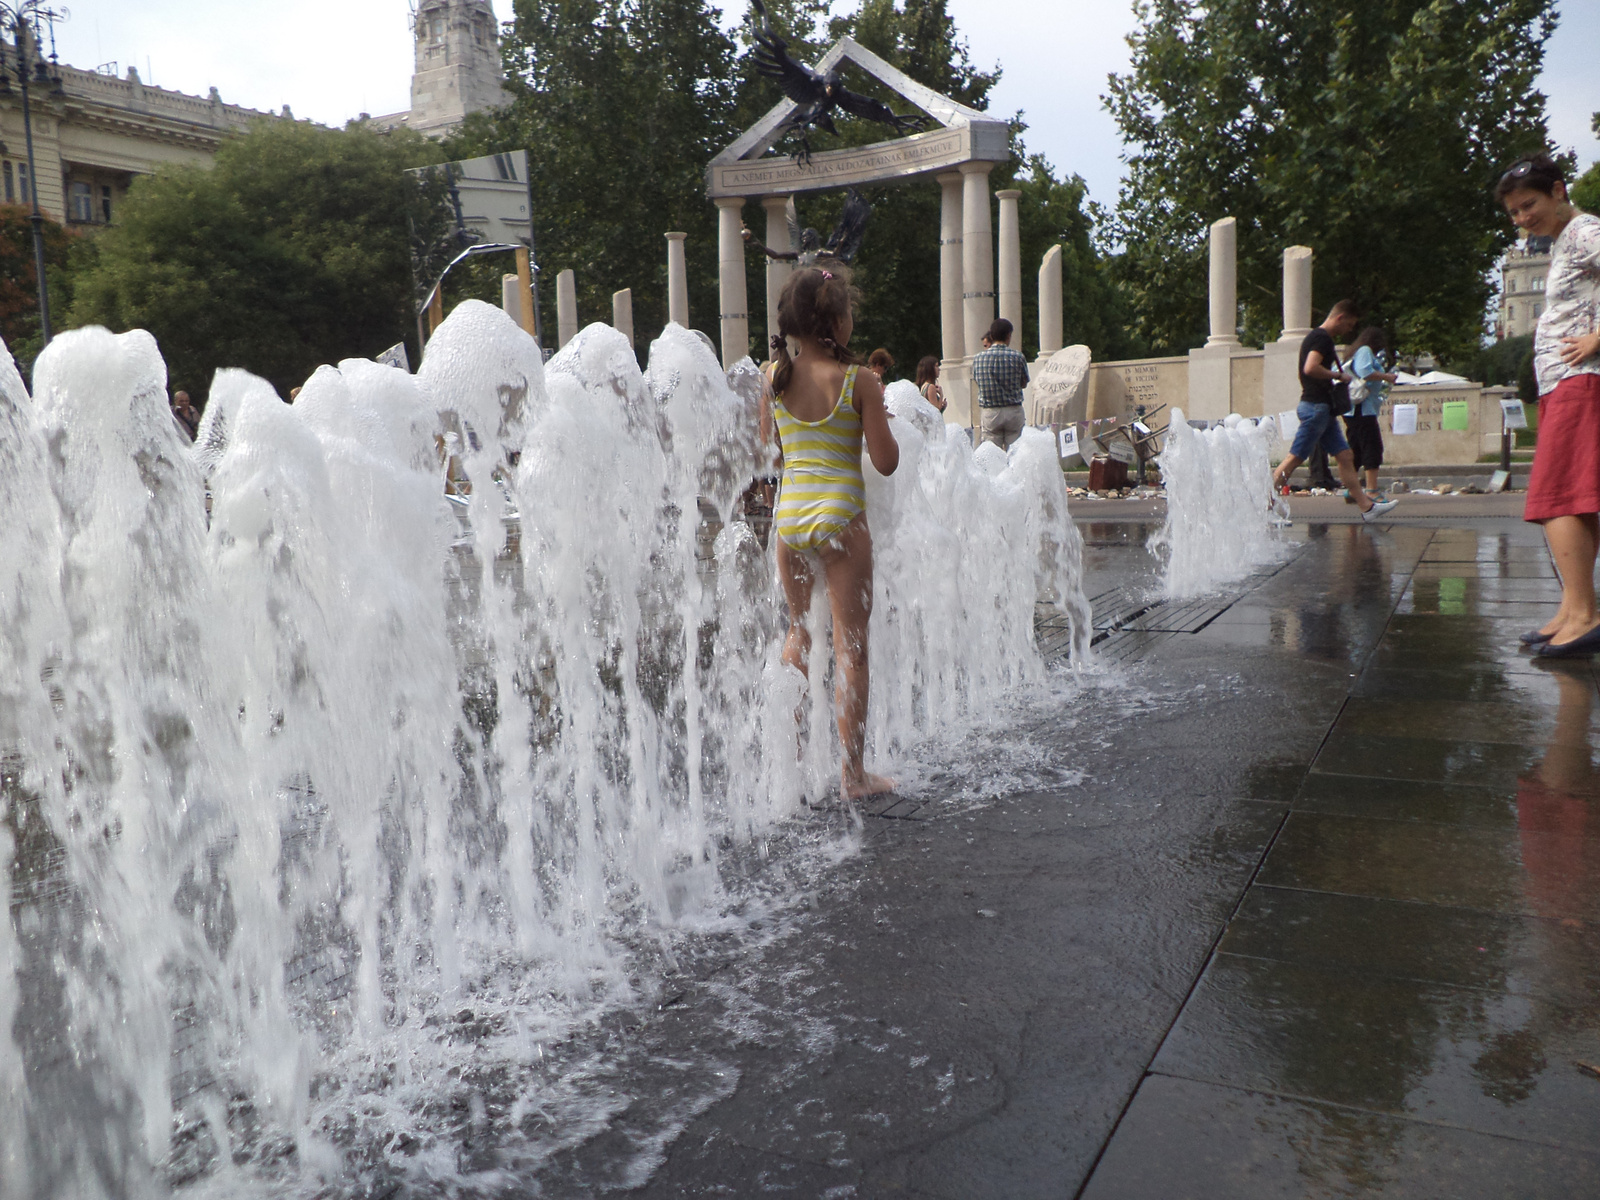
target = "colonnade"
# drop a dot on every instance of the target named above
(968, 295)
(969, 290)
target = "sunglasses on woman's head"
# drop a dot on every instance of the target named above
(1518, 171)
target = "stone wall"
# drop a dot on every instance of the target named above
(1116, 387)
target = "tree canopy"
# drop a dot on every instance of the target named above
(19, 287)
(289, 251)
(1586, 188)
(623, 103)
(1371, 132)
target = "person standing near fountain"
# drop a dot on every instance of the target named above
(185, 414)
(824, 406)
(1000, 373)
(928, 382)
(1318, 423)
(1564, 485)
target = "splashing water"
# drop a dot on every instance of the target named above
(327, 808)
(1222, 517)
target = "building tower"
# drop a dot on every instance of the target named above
(457, 65)
(1522, 274)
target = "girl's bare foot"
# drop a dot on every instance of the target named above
(867, 785)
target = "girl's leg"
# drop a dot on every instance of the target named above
(799, 581)
(1573, 542)
(1372, 480)
(849, 573)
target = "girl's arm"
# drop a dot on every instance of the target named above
(882, 449)
(769, 452)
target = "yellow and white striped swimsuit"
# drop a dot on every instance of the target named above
(821, 491)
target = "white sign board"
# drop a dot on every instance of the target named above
(395, 356)
(1515, 416)
(1069, 441)
(1404, 421)
(489, 196)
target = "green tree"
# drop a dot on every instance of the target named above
(1371, 132)
(289, 251)
(19, 287)
(898, 268)
(1499, 362)
(621, 104)
(1586, 188)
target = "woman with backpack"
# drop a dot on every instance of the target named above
(1367, 390)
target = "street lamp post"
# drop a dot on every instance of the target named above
(21, 19)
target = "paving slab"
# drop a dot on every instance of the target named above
(1321, 917)
(1187, 1140)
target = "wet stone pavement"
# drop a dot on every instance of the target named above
(1322, 918)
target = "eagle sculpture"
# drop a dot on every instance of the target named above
(817, 95)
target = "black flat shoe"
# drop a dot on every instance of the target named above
(1578, 647)
(1533, 638)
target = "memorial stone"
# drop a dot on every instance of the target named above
(1060, 393)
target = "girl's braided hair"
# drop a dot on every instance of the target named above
(813, 304)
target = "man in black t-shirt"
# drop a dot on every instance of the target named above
(1319, 372)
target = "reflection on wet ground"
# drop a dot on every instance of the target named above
(1406, 1001)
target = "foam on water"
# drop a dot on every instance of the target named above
(1222, 517)
(332, 809)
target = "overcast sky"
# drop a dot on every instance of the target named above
(330, 61)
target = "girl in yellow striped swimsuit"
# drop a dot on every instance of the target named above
(823, 410)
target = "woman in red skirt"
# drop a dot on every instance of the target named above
(1564, 489)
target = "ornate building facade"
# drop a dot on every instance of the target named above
(95, 132)
(457, 65)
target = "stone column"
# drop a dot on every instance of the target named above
(677, 281)
(1296, 293)
(1050, 303)
(977, 255)
(510, 298)
(950, 308)
(778, 271)
(1010, 285)
(953, 343)
(1280, 368)
(622, 313)
(1224, 283)
(1211, 366)
(566, 308)
(735, 303)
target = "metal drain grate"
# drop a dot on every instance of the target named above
(1179, 616)
(1052, 629)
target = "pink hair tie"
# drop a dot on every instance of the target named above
(827, 274)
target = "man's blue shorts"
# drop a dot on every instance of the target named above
(1317, 424)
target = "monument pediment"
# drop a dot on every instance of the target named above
(745, 168)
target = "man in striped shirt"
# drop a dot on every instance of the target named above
(999, 373)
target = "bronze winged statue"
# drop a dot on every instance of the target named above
(818, 95)
(841, 245)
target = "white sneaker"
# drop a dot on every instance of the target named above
(1379, 507)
